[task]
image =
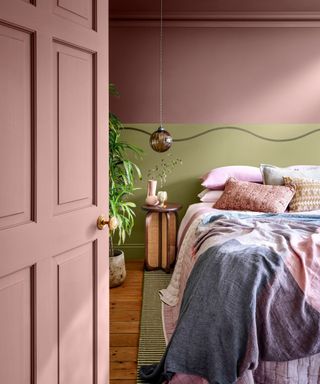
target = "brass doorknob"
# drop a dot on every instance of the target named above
(112, 222)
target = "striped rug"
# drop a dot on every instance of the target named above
(151, 341)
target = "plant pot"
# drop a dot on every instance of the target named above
(117, 268)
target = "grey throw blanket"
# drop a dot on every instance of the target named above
(246, 301)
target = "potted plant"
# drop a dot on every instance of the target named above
(160, 172)
(123, 173)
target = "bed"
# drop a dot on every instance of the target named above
(243, 304)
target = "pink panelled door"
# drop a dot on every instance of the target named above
(53, 187)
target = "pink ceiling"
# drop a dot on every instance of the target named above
(117, 6)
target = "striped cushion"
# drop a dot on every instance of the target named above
(307, 196)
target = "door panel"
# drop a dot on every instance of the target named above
(78, 11)
(15, 327)
(74, 132)
(16, 127)
(76, 320)
(53, 167)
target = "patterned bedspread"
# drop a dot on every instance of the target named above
(252, 299)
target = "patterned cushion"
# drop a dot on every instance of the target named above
(307, 197)
(246, 196)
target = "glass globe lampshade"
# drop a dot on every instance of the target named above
(160, 140)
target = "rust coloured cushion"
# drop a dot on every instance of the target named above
(247, 196)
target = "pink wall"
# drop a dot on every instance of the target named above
(217, 75)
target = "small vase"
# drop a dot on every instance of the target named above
(151, 198)
(152, 187)
(162, 198)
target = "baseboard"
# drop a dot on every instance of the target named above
(132, 250)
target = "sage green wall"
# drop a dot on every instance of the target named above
(215, 149)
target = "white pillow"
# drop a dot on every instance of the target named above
(209, 196)
(273, 175)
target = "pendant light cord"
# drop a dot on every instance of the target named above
(161, 64)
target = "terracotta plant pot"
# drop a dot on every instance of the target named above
(117, 268)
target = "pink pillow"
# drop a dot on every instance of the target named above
(217, 177)
(246, 196)
(208, 196)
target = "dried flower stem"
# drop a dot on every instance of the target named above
(161, 170)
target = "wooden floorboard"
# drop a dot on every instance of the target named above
(123, 381)
(129, 305)
(123, 354)
(124, 339)
(125, 312)
(124, 315)
(124, 327)
(123, 370)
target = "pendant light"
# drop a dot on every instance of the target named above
(161, 140)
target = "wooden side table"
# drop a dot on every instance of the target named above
(161, 236)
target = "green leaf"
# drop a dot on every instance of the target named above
(113, 90)
(123, 174)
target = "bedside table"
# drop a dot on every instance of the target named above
(161, 236)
